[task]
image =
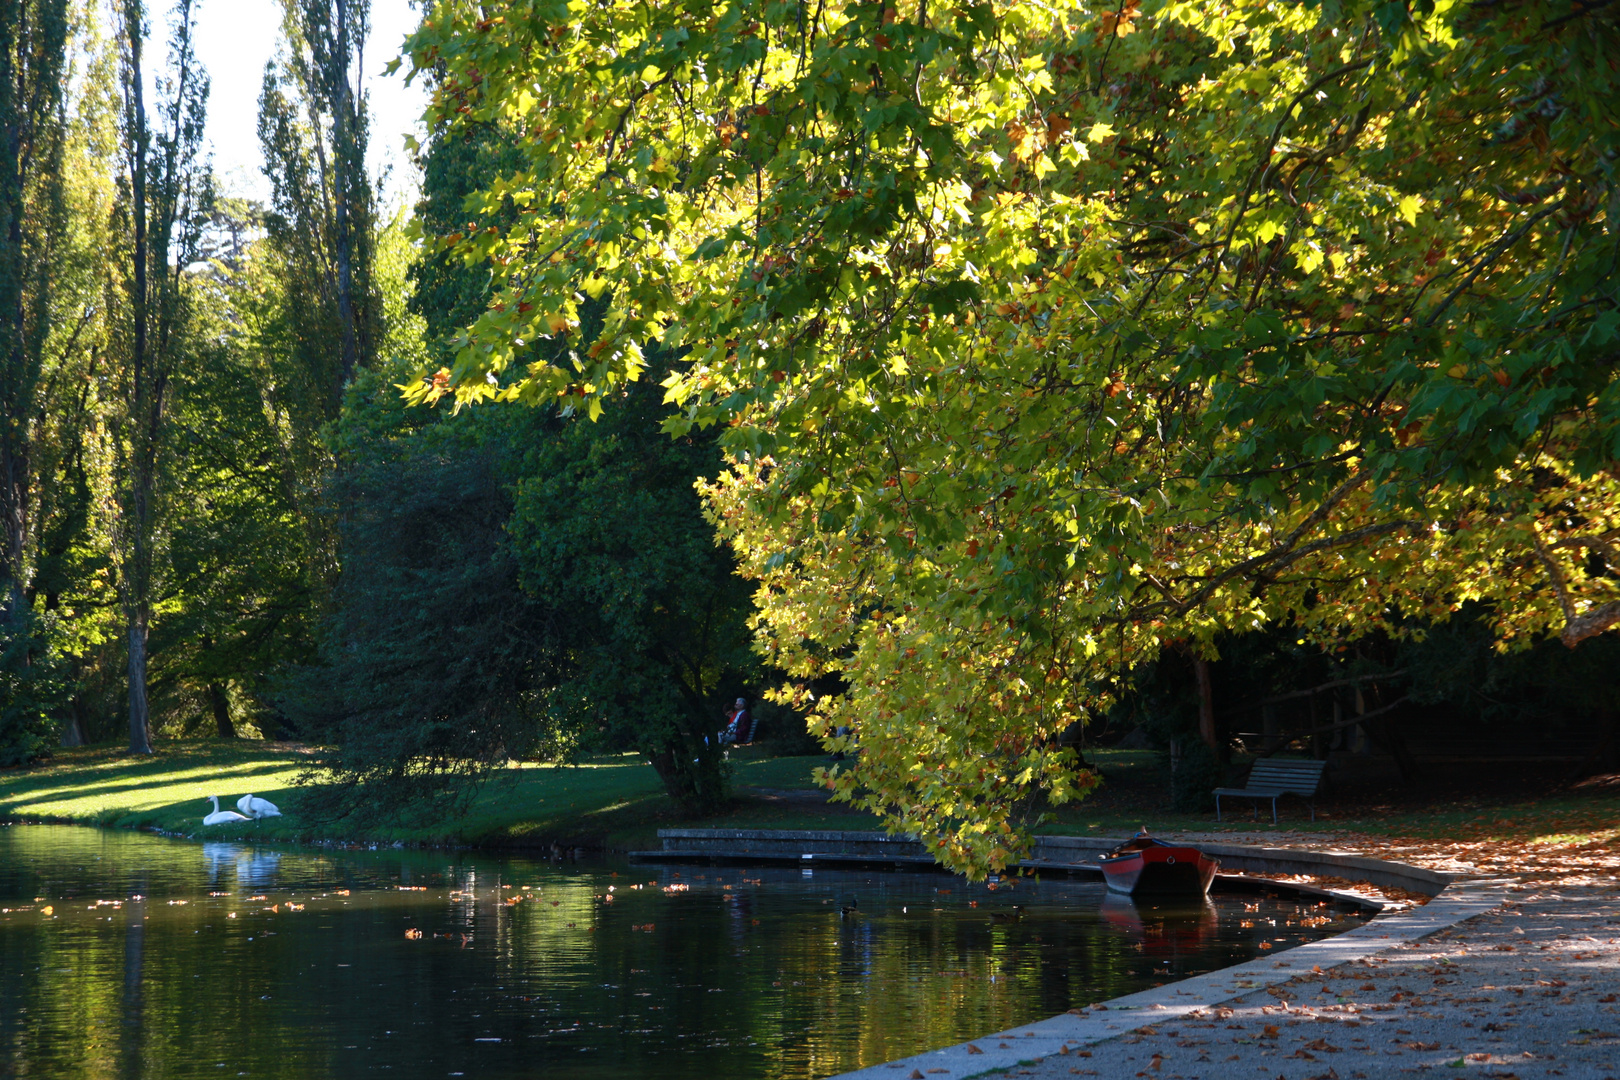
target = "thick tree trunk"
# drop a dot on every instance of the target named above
(665, 764)
(140, 726)
(222, 711)
(693, 777)
(72, 732)
(1206, 703)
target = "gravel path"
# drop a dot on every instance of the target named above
(1531, 989)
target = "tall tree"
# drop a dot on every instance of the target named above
(313, 127)
(34, 37)
(69, 588)
(650, 617)
(243, 588)
(1046, 338)
(166, 195)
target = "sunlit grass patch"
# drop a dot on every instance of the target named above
(617, 800)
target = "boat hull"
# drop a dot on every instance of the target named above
(1163, 870)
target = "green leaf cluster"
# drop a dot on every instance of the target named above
(1044, 337)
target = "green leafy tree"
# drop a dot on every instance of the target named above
(448, 292)
(70, 585)
(165, 196)
(571, 595)
(33, 64)
(518, 586)
(651, 616)
(432, 657)
(34, 38)
(245, 567)
(1045, 337)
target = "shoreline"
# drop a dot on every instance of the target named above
(1080, 1030)
(1116, 1037)
(1527, 988)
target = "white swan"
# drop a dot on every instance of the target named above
(257, 808)
(221, 817)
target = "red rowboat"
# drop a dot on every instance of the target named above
(1144, 864)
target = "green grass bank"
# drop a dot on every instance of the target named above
(617, 802)
(613, 801)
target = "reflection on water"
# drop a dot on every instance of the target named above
(164, 958)
(251, 867)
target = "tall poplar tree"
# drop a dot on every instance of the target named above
(165, 197)
(313, 128)
(33, 52)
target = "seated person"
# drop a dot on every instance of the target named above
(742, 723)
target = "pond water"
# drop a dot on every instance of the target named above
(130, 955)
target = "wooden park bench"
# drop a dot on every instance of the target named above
(1271, 778)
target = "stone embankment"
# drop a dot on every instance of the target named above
(1528, 989)
(1498, 978)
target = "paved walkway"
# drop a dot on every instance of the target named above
(1530, 989)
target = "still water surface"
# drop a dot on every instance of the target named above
(126, 955)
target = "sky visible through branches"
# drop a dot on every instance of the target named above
(234, 40)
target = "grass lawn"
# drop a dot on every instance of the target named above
(1512, 806)
(617, 801)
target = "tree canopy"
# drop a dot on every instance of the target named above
(513, 584)
(1045, 337)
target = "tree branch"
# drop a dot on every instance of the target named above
(1297, 694)
(1352, 722)
(1593, 623)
